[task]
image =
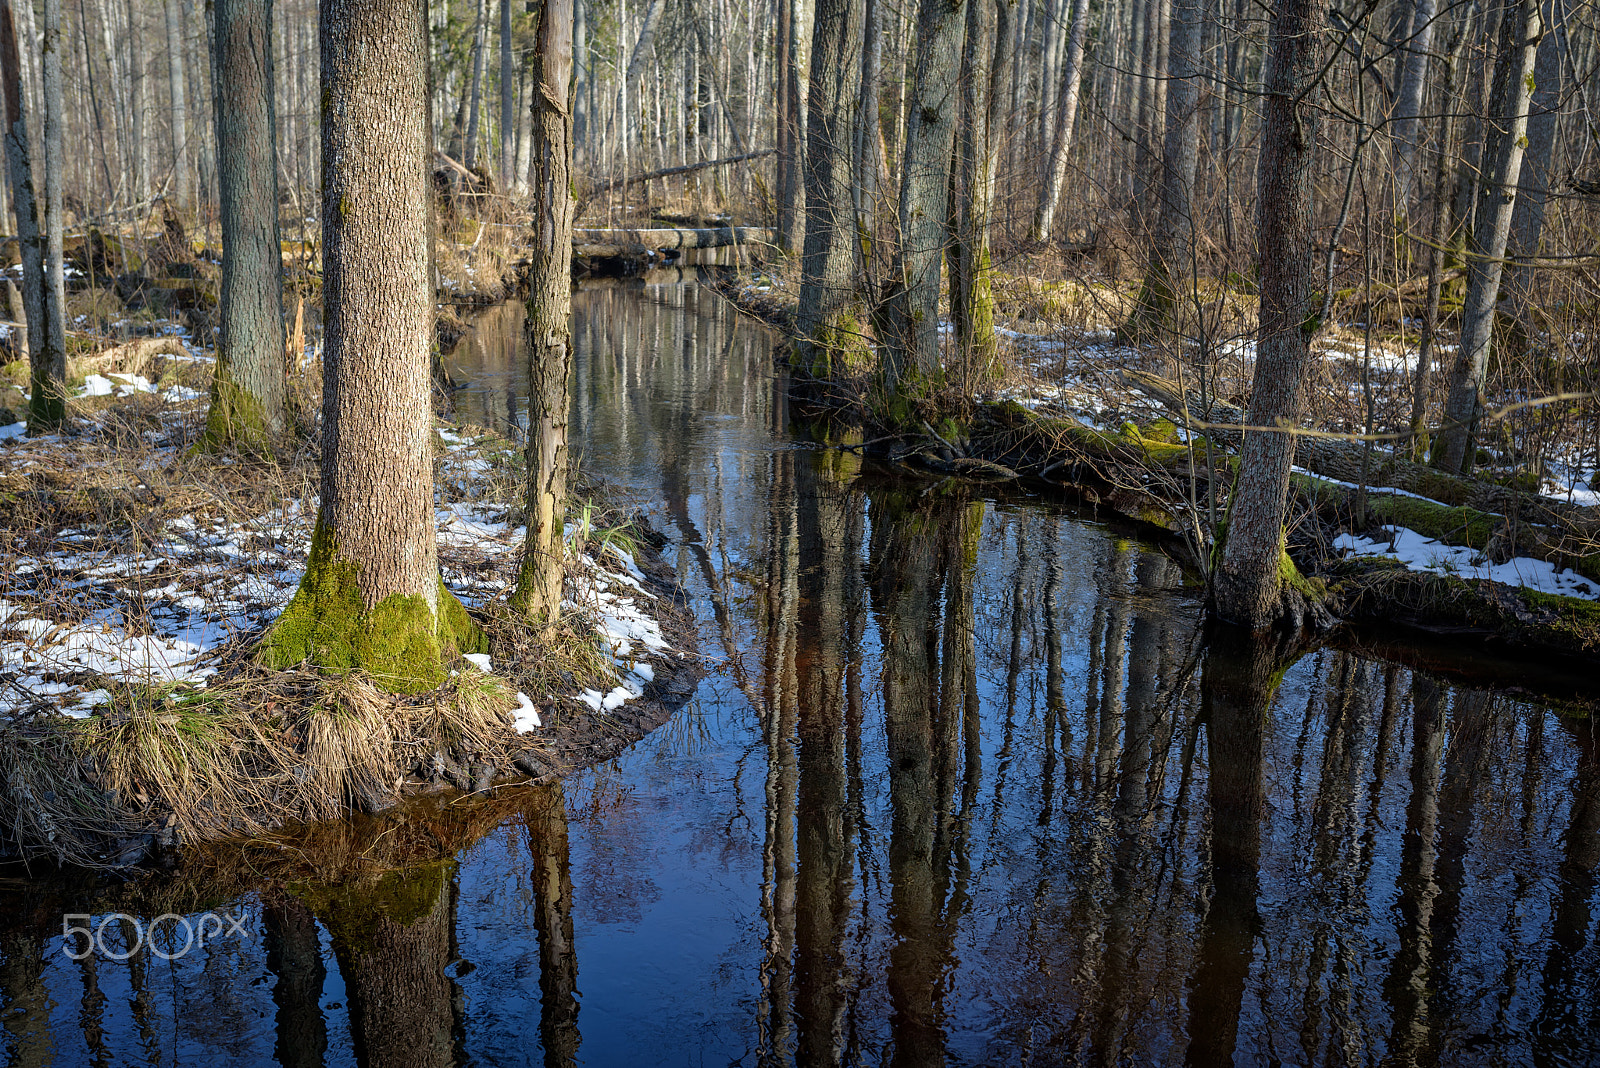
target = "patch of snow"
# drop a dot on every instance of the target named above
(1419, 553)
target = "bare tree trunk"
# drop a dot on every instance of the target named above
(47, 411)
(182, 174)
(371, 599)
(538, 593)
(19, 168)
(1071, 82)
(1519, 41)
(911, 344)
(1250, 588)
(582, 78)
(628, 130)
(830, 327)
(480, 35)
(869, 138)
(137, 104)
(1533, 188)
(248, 388)
(1172, 249)
(1408, 107)
(508, 101)
(971, 299)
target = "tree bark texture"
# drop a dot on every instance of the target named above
(971, 297)
(558, 955)
(372, 598)
(182, 173)
(30, 239)
(1408, 106)
(248, 390)
(912, 341)
(48, 409)
(830, 327)
(1491, 228)
(1249, 583)
(538, 593)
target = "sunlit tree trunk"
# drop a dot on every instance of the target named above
(538, 592)
(1249, 585)
(1044, 217)
(1519, 41)
(248, 387)
(30, 238)
(829, 312)
(971, 297)
(182, 172)
(911, 347)
(372, 598)
(1413, 62)
(508, 100)
(47, 410)
(480, 34)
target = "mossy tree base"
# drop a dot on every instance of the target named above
(402, 643)
(237, 419)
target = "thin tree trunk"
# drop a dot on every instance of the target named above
(47, 411)
(1533, 188)
(971, 299)
(1172, 249)
(508, 102)
(182, 175)
(1505, 149)
(372, 598)
(1250, 586)
(830, 328)
(480, 34)
(248, 387)
(1072, 80)
(19, 168)
(1408, 107)
(538, 593)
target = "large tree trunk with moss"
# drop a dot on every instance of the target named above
(830, 329)
(1519, 42)
(538, 593)
(47, 410)
(372, 599)
(19, 169)
(1172, 248)
(911, 344)
(247, 392)
(1250, 586)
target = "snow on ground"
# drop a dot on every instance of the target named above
(1420, 553)
(87, 610)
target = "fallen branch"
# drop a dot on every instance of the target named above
(607, 185)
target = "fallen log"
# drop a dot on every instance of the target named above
(596, 188)
(1339, 457)
(672, 237)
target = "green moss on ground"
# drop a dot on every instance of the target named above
(401, 643)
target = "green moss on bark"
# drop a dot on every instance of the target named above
(401, 642)
(236, 419)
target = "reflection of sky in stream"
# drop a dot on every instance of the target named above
(958, 786)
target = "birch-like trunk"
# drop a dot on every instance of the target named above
(1061, 148)
(1504, 152)
(1408, 108)
(480, 32)
(19, 170)
(182, 173)
(47, 410)
(508, 102)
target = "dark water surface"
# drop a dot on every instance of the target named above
(963, 787)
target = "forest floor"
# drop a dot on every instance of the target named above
(140, 573)
(1072, 404)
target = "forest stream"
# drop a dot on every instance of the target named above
(964, 784)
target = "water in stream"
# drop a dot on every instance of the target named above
(962, 787)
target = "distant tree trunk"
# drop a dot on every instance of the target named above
(480, 33)
(182, 175)
(137, 124)
(792, 71)
(1408, 107)
(1044, 217)
(1519, 41)
(247, 389)
(19, 169)
(637, 61)
(371, 599)
(581, 88)
(1172, 249)
(971, 298)
(1533, 188)
(830, 326)
(538, 592)
(911, 344)
(869, 138)
(508, 102)
(47, 411)
(1250, 587)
